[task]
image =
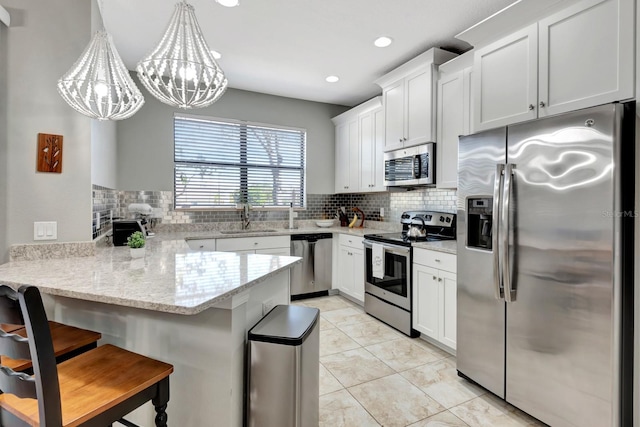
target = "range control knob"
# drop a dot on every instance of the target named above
(441, 219)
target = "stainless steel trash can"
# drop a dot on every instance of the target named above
(283, 373)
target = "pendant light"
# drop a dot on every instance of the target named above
(99, 85)
(181, 71)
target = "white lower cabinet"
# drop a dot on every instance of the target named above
(272, 245)
(351, 267)
(434, 295)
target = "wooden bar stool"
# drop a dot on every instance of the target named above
(68, 341)
(96, 388)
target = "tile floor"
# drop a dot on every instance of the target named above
(372, 375)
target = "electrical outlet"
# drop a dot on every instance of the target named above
(267, 306)
(97, 220)
(382, 212)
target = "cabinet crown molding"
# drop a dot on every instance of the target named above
(433, 56)
(365, 107)
(513, 17)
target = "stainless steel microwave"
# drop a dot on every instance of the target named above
(410, 166)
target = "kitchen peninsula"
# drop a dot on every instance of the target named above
(188, 308)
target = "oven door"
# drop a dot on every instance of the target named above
(395, 286)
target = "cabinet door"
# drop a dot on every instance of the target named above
(450, 125)
(393, 101)
(367, 152)
(358, 274)
(342, 158)
(354, 157)
(378, 158)
(372, 151)
(345, 270)
(419, 106)
(447, 322)
(586, 56)
(505, 83)
(425, 300)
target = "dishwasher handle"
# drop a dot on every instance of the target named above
(312, 257)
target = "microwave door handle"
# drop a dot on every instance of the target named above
(417, 167)
(509, 292)
(495, 234)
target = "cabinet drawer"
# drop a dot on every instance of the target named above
(351, 241)
(435, 259)
(246, 243)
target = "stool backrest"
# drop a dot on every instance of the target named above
(24, 307)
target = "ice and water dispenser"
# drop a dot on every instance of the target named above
(479, 222)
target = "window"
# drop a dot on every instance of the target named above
(220, 162)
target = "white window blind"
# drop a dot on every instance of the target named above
(219, 163)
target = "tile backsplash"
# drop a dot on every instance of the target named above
(113, 204)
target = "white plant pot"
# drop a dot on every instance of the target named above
(137, 252)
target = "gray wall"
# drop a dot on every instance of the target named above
(103, 153)
(145, 141)
(43, 42)
(3, 142)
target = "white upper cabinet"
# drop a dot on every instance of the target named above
(359, 149)
(578, 57)
(372, 151)
(586, 56)
(453, 112)
(343, 163)
(506, 81)
(409, 102)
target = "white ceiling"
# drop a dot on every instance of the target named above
(288, 47)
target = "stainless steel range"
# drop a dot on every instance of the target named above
(388, 258)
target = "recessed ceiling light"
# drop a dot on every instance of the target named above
(229, 3)
(383, 41)
(332, 79)
(216, 54)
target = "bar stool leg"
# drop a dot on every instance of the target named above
(160, 402)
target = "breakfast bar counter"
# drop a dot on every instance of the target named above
(188, 308)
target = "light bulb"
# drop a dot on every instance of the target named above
(101, 89)
(187, 73)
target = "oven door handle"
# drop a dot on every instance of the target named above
(394, 249)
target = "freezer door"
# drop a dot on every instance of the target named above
(480, 331)
(560, 325)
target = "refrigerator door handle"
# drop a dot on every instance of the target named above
(509, 293)
(495, 233)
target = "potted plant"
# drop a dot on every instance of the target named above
(136, 244)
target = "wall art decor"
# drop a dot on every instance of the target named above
(49, 153)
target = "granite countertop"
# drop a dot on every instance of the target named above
(171, 277)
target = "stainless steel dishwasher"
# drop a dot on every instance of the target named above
(312, 277)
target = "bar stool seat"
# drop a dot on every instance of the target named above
(93, 389)
(68, 341)
(94, 382)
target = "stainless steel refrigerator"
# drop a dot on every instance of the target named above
(545, 265)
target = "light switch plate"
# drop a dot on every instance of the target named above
(45, 230)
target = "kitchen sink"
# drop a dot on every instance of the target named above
(247, 231)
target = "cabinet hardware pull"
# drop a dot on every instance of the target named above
(434, 277)
(437, 260)
(439, 279)
(531, 107)
(399, 139)
(542, 104)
